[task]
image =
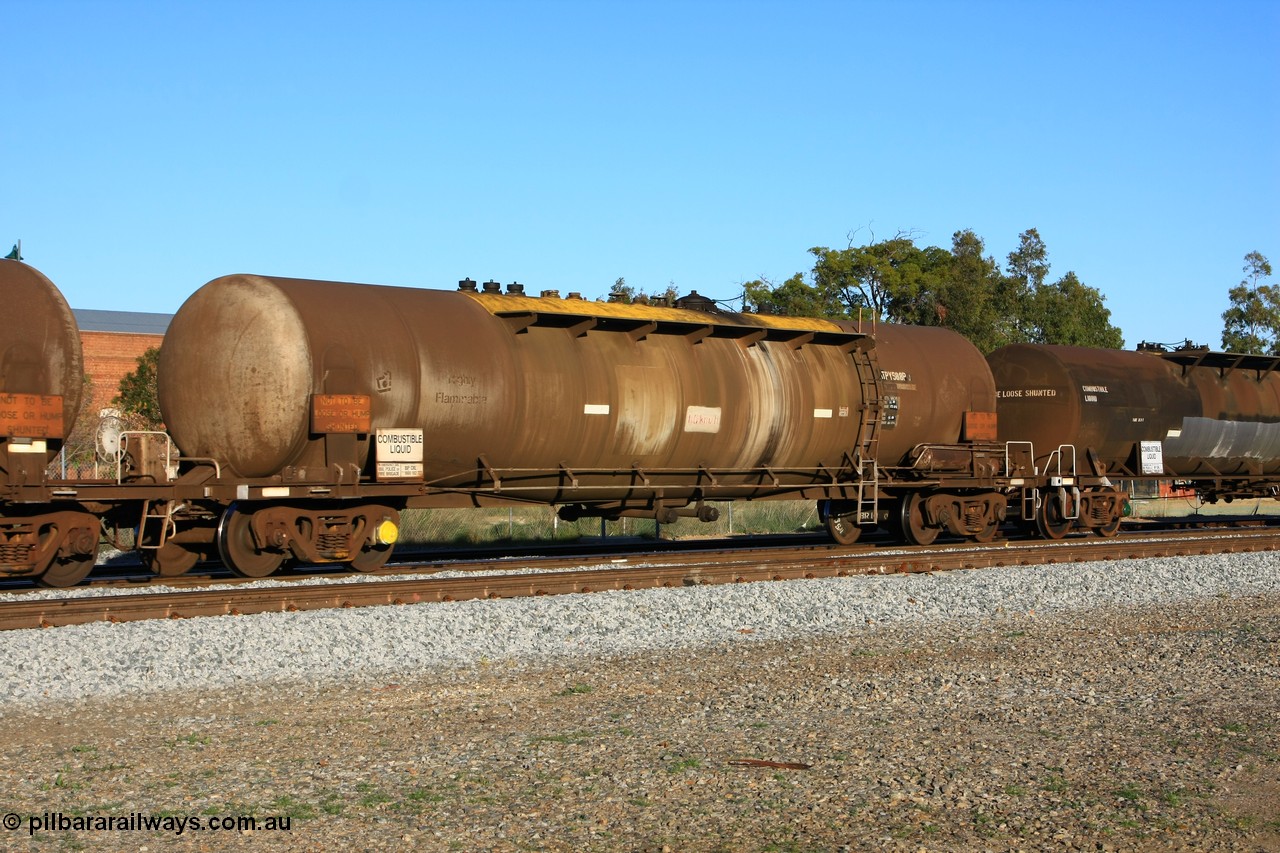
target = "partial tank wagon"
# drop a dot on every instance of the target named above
(1098, 415)
(41, 385)
(1190, 414)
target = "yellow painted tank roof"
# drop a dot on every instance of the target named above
(497, 303)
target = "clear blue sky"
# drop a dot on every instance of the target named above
(149, 147)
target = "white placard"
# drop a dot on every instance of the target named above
(702, 419)
(1152, 453)
(399, 454)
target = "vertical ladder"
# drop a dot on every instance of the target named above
(151, 519)
(868, 441)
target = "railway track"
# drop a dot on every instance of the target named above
(499, 579)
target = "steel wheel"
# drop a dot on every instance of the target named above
(988, 532)
(914, 527)
(238, 550)
(371, 558)
(843, 528)
(1110, 529)
(1050, 520)
(180, 552)
(1112, 525)
(64, 572)
(379, 539)
(75, 532)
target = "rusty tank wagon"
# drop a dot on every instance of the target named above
(41, 386)
(610, 410)
(1191, 414)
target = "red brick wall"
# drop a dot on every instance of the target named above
(108, 357)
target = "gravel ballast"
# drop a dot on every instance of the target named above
(338, 645)
(1109, 706)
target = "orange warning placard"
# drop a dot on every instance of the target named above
(980, 426)
(31, 416)
(343, 413)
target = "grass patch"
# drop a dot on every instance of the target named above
(570, 737)
(1055, 783)
(287, 806)
(435, 527)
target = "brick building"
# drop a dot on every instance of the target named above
(111, 342)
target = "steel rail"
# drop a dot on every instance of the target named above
(677, 570)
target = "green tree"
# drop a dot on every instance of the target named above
(137, 399)
(967, 298)
(1068, 312)
(628, 295)
(794, 297)
(621, 291)
(962, 289)
(893, 279)
(1025, 272)
(1252, 323)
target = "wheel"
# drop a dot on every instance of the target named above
(169, 560)
(1050, 520)
(371, 558)
(843, 528)
(987, 533)
(379, 540)
(63, 572)
(915, 529)
(238, 550)
(81, 532)
(1112, 525)
(1110, 529)
(180, 552)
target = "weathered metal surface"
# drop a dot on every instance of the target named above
(929, 379)
(509, 383)
(41, 365)
(1207, 419)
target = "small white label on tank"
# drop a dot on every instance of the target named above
(702, 419)
(1152, 453)
(822, 413)
(595, 409)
